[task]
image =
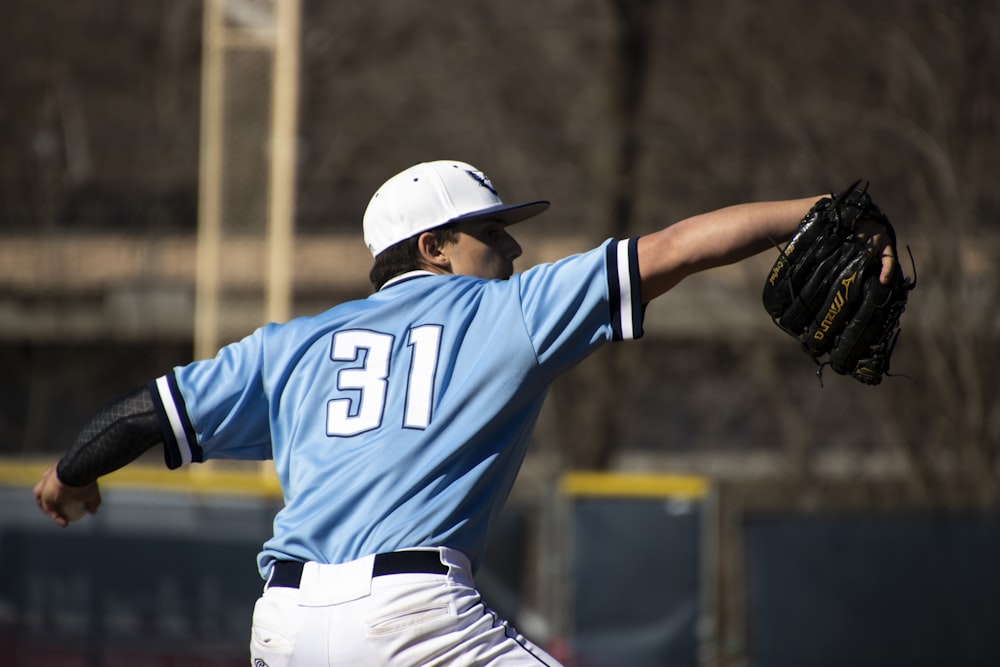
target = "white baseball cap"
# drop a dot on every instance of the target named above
(431, 194)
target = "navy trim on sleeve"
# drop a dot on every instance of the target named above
(171, 453)
(614, 293)
(638, 309)
(627, 309)
(197, 455)
(180, 442)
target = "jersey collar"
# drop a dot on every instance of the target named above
(405, 277)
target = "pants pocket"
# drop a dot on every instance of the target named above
(275, 628)
(406, 620)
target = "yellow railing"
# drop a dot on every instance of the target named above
(633, 485)
(260, 481)
(205, 479)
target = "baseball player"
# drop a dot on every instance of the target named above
(398, 423)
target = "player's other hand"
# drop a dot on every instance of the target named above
(62, 503)
(875, 237)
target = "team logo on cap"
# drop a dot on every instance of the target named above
(480, 178)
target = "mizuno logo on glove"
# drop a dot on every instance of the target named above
(838, 304)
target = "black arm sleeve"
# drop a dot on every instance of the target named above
(116, 436)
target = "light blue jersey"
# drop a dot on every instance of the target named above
(400, 420)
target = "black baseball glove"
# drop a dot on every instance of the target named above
(824, 289)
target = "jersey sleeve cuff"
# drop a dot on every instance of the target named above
(625, 300)
(180, 443)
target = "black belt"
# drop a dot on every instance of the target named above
(287, 573)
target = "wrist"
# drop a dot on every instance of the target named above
(67, 476)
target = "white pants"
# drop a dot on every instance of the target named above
(342, 615)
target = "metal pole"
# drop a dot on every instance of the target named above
(284, 110)
(206, 312)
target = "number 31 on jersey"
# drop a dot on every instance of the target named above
(369, 379)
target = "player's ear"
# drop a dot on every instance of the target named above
(432, 251)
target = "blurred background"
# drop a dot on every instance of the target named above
(175, 173)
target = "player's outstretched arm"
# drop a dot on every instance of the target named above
(729, 235)
(713, 239)
(116, 436)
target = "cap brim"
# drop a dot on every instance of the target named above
(508, 214)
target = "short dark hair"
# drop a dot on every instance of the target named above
(405, 256)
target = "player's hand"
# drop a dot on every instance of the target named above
(62, 503)
(875, 236)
